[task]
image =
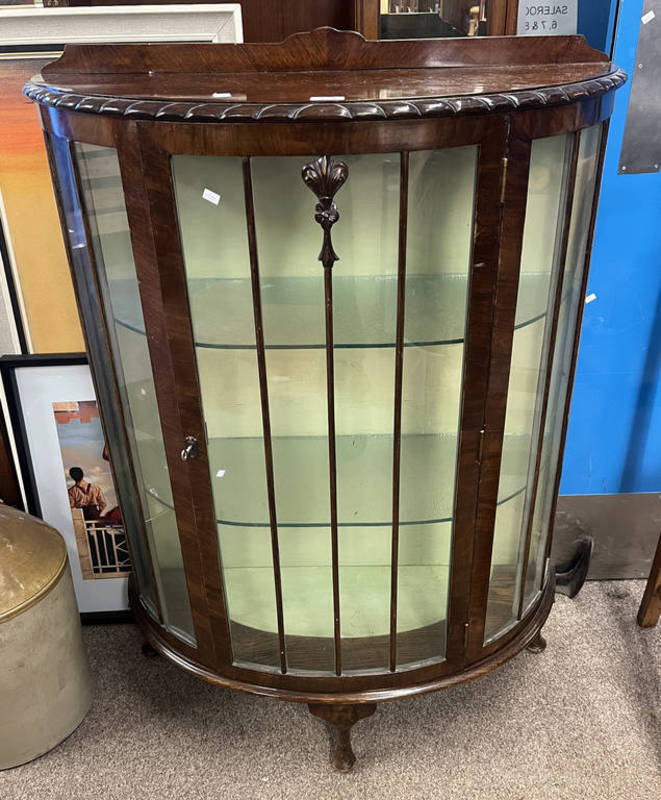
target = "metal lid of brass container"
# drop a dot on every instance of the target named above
(32, 558)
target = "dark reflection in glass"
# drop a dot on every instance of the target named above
(430, 19)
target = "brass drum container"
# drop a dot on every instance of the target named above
(45, 688)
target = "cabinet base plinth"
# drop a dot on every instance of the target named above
(342, 718)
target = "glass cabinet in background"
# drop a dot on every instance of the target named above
(331, 291)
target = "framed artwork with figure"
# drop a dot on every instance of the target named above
(96, 517)
(67, 475)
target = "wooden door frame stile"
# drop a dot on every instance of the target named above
(512, 201)
(475, 373)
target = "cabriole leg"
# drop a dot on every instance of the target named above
(342, 718)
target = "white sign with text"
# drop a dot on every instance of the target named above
(542, 19)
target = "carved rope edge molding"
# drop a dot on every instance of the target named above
(321, 111)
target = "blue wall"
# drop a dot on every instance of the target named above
(595, 22)
(614, 438)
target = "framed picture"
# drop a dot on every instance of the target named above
(67, 474)
(199, 22)
(30, 236)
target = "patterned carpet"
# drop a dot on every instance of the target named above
(582, 720)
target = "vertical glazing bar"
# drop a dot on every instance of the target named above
(325, 177)
(332, 463)
(545, 374)
(264, 397)
(577, 337)
(397, 423)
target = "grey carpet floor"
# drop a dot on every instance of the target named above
(582, 720)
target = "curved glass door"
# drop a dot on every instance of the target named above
(258, 304)
(552, 265)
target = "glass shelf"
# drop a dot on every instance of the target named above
(364, 310)
(364, 486)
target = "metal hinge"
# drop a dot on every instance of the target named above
(480, 445)
(466, 628)
(503, 180)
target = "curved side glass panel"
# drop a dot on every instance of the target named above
(90, 308)
(214, 223)
(105, 212)
(572, 281)
(540, 272)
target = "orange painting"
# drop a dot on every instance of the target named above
(31, 221)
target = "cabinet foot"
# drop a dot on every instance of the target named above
(342, 718)
(570, 577)
(538, 644)
(148, 651)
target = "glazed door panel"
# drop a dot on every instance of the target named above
(406, 243)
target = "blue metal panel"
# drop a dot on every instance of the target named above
(614, 438)
(595, 22)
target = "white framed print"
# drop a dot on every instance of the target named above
(67, 474)
(198, 22)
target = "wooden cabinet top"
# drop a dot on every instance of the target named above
(325, 75)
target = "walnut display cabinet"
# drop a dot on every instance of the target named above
(331, 290)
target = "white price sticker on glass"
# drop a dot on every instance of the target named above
(542, 19)
(211, 197)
